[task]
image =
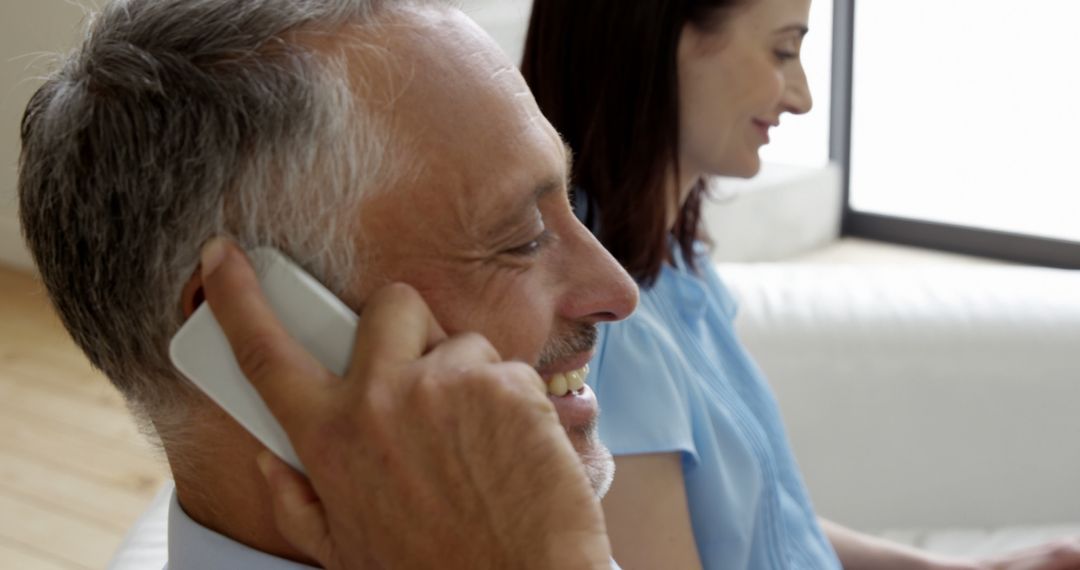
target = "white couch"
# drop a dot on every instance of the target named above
(934, 404)
(930, 398)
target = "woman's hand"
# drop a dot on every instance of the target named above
(857, 550)
(1061, 554)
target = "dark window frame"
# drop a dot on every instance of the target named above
(920, 233)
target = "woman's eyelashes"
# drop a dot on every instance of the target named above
(788, 50)
(785, 56)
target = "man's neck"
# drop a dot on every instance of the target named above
(219, 486)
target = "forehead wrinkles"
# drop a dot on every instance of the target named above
(465, 113)
(459, 86)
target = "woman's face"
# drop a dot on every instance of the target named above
(734, 84)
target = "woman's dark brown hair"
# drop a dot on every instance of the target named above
(605, 73)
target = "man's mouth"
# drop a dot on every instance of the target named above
(574, 401)
(564, 366)
(564, 383)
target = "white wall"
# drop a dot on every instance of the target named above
(505, 20)
(28, 30)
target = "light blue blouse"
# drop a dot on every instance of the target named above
(674, 378)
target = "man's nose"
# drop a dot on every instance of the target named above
(600, 289)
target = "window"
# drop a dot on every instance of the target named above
(963, 123)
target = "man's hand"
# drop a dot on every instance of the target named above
(430, 453)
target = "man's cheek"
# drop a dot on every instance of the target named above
(522, 337)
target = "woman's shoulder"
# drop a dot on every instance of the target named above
(644, 383)
(691, 290)
(669, 320)
(706, 272)
(648, 345)
(650, 328)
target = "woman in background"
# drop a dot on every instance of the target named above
(653, 96)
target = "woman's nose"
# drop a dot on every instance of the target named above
(797, 98)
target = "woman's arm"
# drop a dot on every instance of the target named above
(647, 517)
(857, 551)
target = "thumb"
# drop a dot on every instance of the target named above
(298, 512)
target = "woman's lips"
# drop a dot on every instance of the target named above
(763, 129)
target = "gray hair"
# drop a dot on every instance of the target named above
(175, 121)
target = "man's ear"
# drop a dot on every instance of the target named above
(192, 295)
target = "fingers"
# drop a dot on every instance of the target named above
(298, 513)
(471, 355)
(279, 368)
(464, 351)
(523, 379)
(396, 327)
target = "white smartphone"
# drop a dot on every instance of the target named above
(310, 313)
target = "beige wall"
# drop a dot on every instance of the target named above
(27, 28)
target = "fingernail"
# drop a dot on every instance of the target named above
(213, 253)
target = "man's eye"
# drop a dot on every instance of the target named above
(532, 247)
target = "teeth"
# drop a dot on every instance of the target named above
(573, 381)
(576, 380)
(558, 385)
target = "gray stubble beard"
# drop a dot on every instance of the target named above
(595, 457)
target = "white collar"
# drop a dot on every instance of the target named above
(195, 547)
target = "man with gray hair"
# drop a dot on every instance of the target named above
(392, 151)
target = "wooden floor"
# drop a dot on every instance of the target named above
(74, 471)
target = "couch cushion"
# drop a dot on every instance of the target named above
(981, 542)
(923, 396)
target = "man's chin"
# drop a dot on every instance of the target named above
(599, 465)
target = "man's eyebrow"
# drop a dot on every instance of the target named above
(801, 28)
(544, 188)
(555, 184)
(521, 212)
(569, 162)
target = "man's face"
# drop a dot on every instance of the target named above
(483, 227)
